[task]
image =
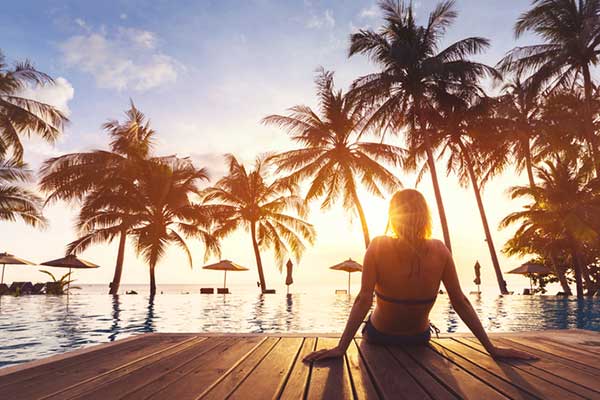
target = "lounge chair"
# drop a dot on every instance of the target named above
(4, 289)
(341, 291)
(269, 291)
(223, 290)
(38, 288)
(207, 290)
(527, 292)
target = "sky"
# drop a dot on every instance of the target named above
(206, 73)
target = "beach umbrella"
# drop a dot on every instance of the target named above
(477, 279)
(9, 259)
(348, 266)
(225, 265)
(70, 261)
(288, 278)
(529, 269)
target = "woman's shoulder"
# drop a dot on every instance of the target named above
(438, 247)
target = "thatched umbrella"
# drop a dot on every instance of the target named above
(288, 277)
(529, 269)
(225, 265)
(70, 261)
(9, 259)
(348, 266)
(477, 279)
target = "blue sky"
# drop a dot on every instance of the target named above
(206, 73)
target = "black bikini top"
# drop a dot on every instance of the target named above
(405, 301)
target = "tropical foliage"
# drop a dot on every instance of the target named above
(16, 201)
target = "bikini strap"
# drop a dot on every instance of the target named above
(404, 301)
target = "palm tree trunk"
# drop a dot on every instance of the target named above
(560, 273)
(486, 228)
(528, 163)
(259, 266)
(116, 281)
(363, 219)
(578, 268)
(437, 191)
(591, 136)
(152, 281)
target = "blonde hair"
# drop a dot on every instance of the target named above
(410, 220)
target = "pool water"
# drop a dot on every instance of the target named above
(32, 327)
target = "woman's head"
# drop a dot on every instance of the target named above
(409, 216)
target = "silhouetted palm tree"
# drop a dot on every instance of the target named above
(412, 68)
(466, 128)
(158, 210)
(333, 156)
(565, 208)
(17, 202)
(571, 33)
(20, 116)
(244, 199)
(74, 176)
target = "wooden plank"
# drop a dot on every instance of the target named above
(57, 380)
(127, 383)
(432, 386)
(543, 369)
(568, 353)
(452, 376)
(361, 380)
(207, 369)
(587, 345)
(230, 380)
(390, 377)
(329, 379)
(295, 386)
(513, 382)
(72, 361)
(268, 378)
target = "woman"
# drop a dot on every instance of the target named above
(405, 272)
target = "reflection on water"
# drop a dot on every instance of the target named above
(32, 327)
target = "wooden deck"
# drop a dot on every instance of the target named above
(198, 366)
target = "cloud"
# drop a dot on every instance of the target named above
(369, 12)
(127, 59)
(57, 95)
(321, 21)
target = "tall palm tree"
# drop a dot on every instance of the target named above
(72, 177)
(20, 116)
(158, 210)
(412, 68)
(520, 107)
(465, 126)
(333, 156)
(244, 199)
(565, 208)
(17, 202)
(571, 33)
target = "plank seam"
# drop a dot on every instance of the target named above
(289, 372)
(369, 370)
(309, 375)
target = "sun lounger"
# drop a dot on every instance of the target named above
(207, 290)
(269, 291)
(37, 288)
(223, 290)
(4, 289)
(341, 291)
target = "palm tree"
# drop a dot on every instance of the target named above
(571, 33)
(158, 211)
(465, 126)
(520, 107)
(333, 155)
(22, 116)
(565, 210)
(244, 199)
(72, 177)
(412, 69)
(17, 202)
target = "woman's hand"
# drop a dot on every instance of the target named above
(324, 354)
(505, 352)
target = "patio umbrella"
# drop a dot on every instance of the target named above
(288, 278)
(348, 266)
(529, 269)
(477, 279)
(70, 261)
(10, 259)
(225, 265)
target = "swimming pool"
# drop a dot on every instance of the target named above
(32, 327)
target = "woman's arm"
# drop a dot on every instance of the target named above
(465, 311)
(360, 308)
